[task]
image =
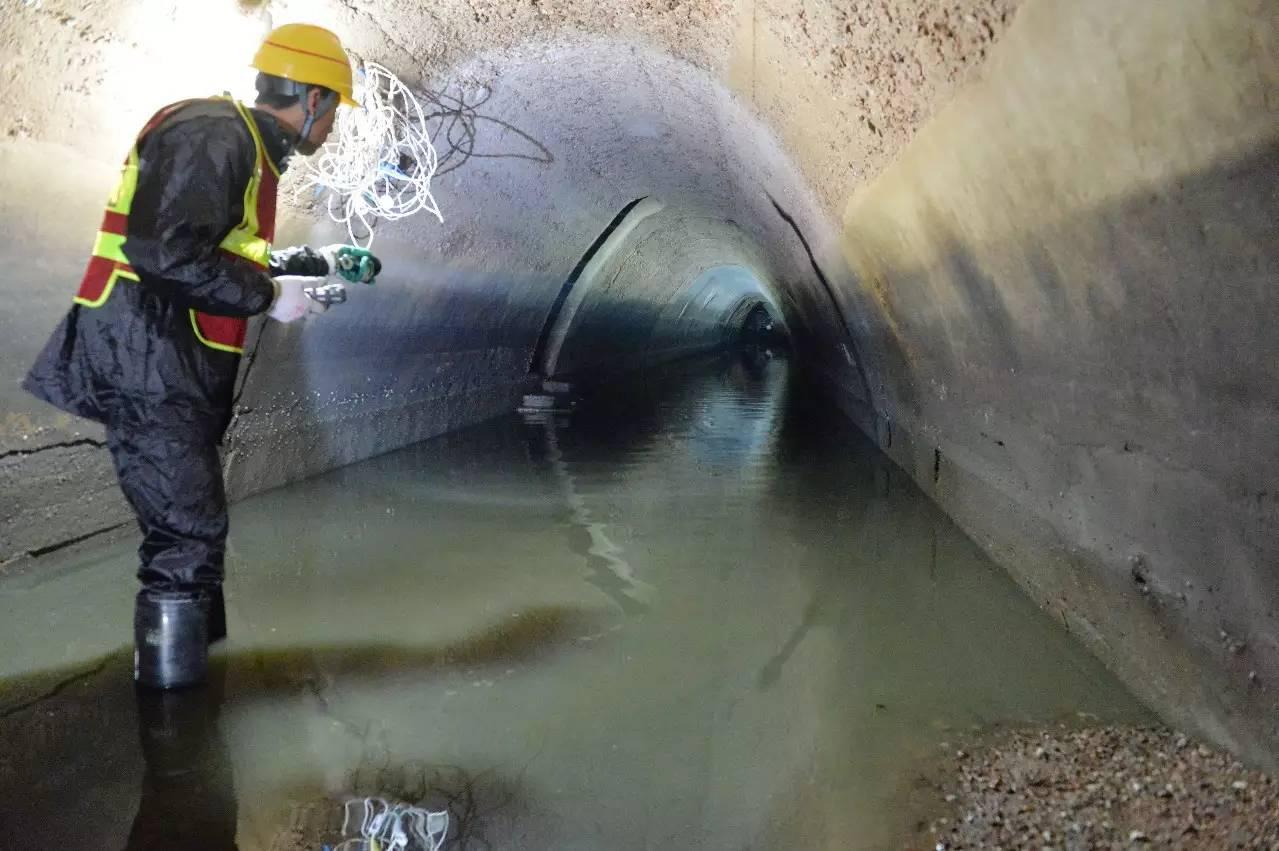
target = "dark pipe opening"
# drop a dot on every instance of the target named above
(761, 328)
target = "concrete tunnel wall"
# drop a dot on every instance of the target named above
(1029, 247)
(1068, 284)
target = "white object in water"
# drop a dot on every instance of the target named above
(393, 827)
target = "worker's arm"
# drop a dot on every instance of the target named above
(191, 180)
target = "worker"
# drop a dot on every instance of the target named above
(151, 346)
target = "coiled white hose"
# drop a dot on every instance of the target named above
(392, 827)
(380, 166)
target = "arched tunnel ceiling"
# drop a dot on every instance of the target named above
(1027, 245)
(844, 85)
(567, 132)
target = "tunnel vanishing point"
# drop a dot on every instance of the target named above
(1031, 247)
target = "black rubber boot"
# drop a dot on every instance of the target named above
(217, 614)
(170, 639)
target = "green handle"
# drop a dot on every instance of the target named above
(357, 265)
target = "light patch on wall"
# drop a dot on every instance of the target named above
(186, 50)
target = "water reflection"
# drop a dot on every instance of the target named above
(188, 791)
(700, 612)
(71, 777)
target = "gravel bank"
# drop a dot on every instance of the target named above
(1104, 788)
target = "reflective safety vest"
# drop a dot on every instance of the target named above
(249, 240)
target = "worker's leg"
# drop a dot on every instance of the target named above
(174, 484)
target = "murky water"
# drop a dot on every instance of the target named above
(699, 613)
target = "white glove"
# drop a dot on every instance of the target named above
(291, 300)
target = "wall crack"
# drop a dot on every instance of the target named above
(10, 711)
(41, 552)
(70, 444)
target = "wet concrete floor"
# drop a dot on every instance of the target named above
(699, 612)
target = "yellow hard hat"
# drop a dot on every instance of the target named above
(307, 54)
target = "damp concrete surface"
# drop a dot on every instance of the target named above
(697, 611)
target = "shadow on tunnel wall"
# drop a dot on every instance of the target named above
(324, 395)
(1112, 382)
(605, 348)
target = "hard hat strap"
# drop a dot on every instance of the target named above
(269, 84)
(327, 102)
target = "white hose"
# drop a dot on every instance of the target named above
(392, 827)
(380, 166)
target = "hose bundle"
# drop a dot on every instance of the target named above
(380, 166)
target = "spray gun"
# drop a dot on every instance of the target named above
(351, 263)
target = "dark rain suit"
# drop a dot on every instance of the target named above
(152, 346)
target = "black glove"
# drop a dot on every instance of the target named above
(301, 261)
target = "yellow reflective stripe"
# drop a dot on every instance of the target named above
(257, 138)
(121, 199)
(251, 190)
(195, 326)
(250, 220)
(110, 246)
(244, 240)
(106, 291)
(248, 245)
